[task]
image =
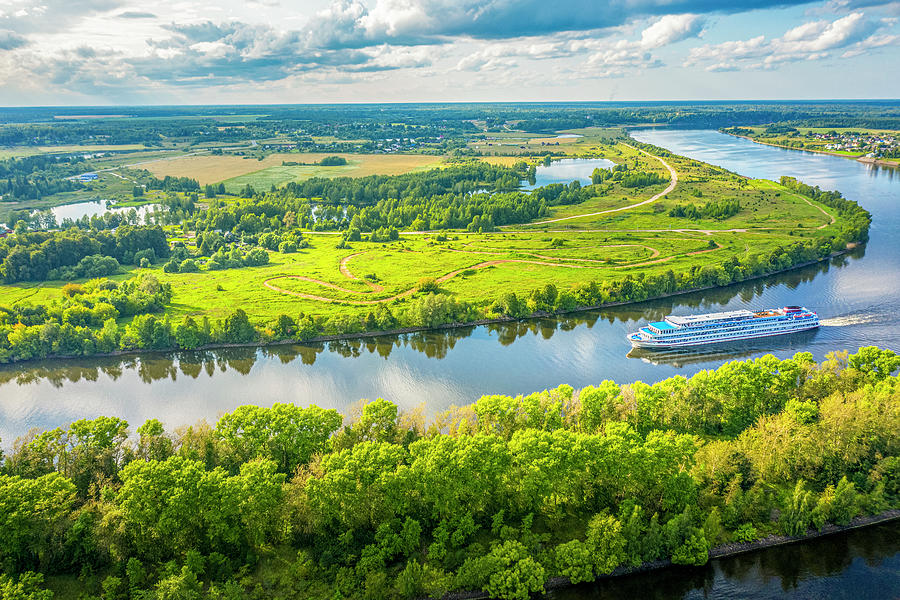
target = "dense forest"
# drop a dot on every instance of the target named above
(33, 177)
(499, 496)
(42, 255)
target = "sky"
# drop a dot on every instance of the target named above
(105, 52)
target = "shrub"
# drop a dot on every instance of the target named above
(188, 266)
(72, 289)
(428, 285)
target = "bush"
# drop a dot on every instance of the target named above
(72, 289)
(256, 257)
(171, 267)
(287, 246)
(147, 253)
(428, 285)
(188, 266)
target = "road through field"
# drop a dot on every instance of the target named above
(673, 182)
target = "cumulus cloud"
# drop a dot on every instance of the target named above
(672, 28)
(845, 37)
(495, 19)
(605, 56)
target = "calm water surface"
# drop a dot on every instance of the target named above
(96, 207)
(860, 565)
(567, 170)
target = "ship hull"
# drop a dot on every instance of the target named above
(644, 343)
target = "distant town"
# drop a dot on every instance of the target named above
(860, 144)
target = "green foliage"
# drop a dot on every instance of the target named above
(512, 574)
(288, 435)
(26, 586)
(497, 496)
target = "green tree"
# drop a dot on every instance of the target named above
(285, 433)
(516, 574)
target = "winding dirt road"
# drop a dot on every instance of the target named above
(673, 182)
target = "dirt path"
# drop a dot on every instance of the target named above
(823, 211)
(345, 271)
(500, 251)
(482, 265)
(673, 182)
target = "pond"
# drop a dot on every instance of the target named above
(567, 170)
(97, 207)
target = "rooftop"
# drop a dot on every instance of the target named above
(719, 316)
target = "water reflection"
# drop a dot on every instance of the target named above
(567, 170)
(859, 564)
(719, 353)
(437, 345)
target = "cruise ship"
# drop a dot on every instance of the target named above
(728, 326)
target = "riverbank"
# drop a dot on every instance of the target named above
(441, 327)
(719, 552)
(880, 162)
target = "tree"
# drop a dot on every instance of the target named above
(515, 574)
(574, 560)
(237, 328)
(34, 517)
(26, 587)
(606, 543)
(287, 434)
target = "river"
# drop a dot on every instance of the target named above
(860, 564)
(856, 295)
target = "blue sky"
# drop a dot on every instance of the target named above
(55, 52)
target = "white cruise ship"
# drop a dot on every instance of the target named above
(729, 326)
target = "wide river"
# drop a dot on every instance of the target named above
(857, 296)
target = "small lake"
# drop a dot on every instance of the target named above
(567, 170)
(97, 207)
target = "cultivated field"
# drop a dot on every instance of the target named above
(214, 169)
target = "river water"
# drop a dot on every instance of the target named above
(862, 564)
(856, 296)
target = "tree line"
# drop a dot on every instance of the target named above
(38, 256)
(430, 307)
(498, 496)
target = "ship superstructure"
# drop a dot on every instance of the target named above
(728, 326)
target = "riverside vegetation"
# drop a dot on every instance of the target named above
(326, 257)
(499, 496)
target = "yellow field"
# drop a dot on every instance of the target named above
(92, 148)
(213, 169)
(503, 161)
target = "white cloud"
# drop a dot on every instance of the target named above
(847, 36)
(670, 29)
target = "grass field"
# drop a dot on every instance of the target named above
(214, 169)
(644, 240)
